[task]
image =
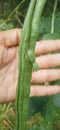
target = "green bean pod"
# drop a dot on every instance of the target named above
(28, 41)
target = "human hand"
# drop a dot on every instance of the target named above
(9, 41)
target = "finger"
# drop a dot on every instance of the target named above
(37, 90)
(48, 61)
(10, 38)
(45, 75)
(47, 46)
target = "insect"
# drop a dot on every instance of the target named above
(26, 61)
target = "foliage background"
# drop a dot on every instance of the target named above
(44, 112)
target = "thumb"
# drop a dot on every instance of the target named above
(10, 38)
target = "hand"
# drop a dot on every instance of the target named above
(9, 41)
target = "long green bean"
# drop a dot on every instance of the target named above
(28, 41)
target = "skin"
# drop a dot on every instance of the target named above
(9, 43)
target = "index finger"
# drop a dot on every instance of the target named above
(10, 38)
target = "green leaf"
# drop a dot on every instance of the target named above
(37, 104)
(50, 113)
(56, 100)
(51, 36)
(7, 26)
(35, 66)
(45, 25)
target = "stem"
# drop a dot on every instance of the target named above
(53, 16)
(14, 10)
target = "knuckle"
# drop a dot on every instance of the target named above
(48, 77)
